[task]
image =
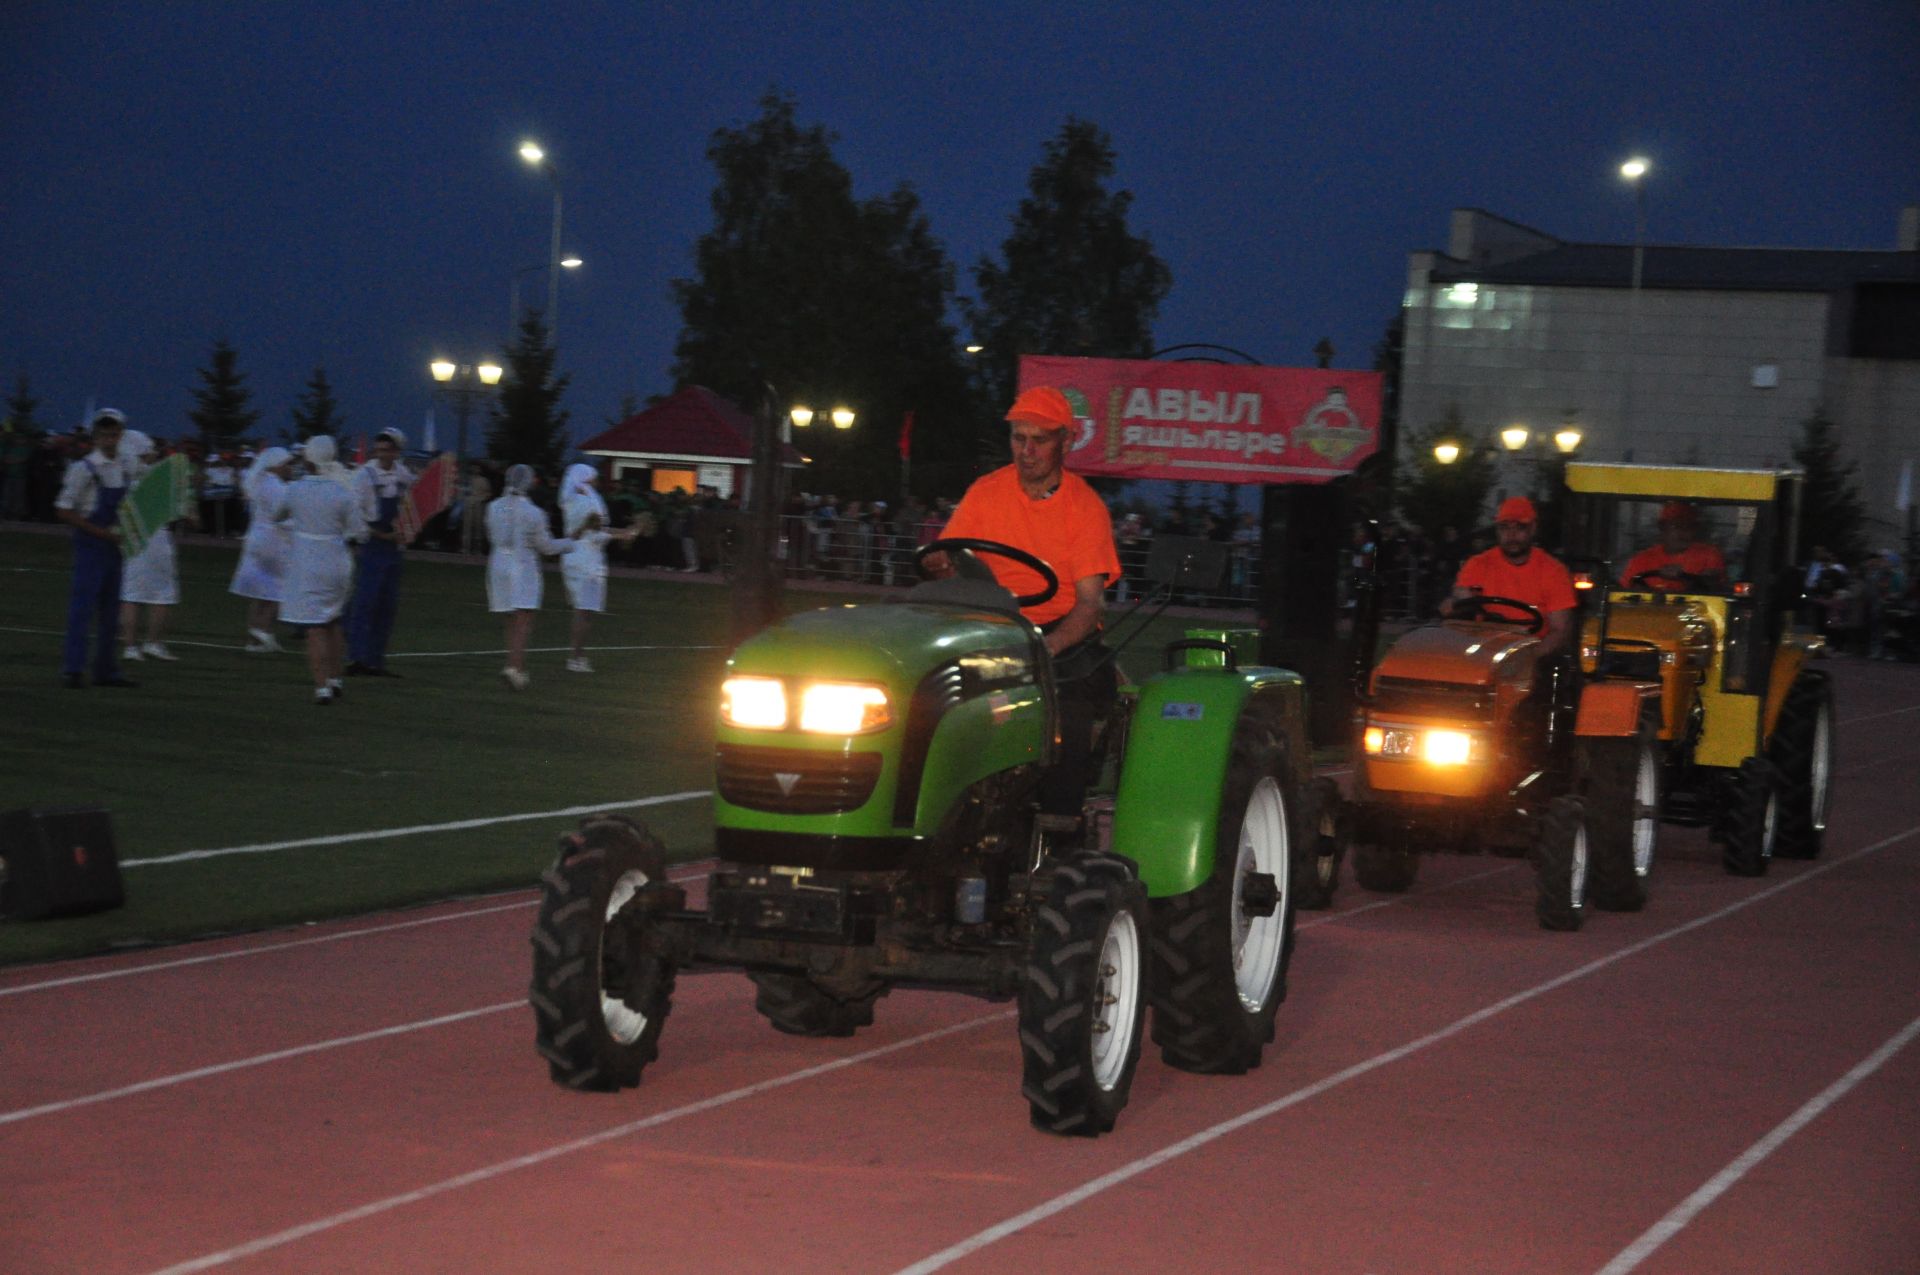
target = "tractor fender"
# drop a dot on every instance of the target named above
(1614, 708)
(1166, 814)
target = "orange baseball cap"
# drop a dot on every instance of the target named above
(1679, 511)
(1515, 509)
(1043, 406)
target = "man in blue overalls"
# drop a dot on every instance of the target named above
(381, 484)
(89, 502)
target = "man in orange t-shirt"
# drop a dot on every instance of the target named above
(1681, 560)
(1515, 569)
(1036, 505)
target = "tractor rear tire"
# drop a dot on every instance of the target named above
(599, 1001)
(1750, 829)
(1388, 867)
(1802, 751)
(1220, 952)
(1622, 793)
(794, 1004)
(1560, 862)
(1083, 999)
(1323, 843)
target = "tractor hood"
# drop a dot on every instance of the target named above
(895, 644)
(1456, 652)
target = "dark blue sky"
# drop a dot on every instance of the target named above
(336, 183)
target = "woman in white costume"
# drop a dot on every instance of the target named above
(151, 578)
(322, 513)
(584, 571)
(517, 530)
(264, 553)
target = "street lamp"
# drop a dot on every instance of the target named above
(758, 581)
(568, 262)
(534, 155)
(802, 415)
(1633, 172)
(464, 382)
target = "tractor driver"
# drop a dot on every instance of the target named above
(1515, 568)
(1681, 559)
(1036, 505)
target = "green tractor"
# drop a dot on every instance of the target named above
(877, 825)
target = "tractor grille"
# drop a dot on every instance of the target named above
(794, 781)
(1432, 699)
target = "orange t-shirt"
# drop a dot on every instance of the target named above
(1070, 531)
(1540, 581)
(1697, 559)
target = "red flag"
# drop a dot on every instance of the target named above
(431, 492)
(906, 436)
(360, 451)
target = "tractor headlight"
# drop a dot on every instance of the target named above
(1434, 747)
(843, 708)
(754, 703)
(1446, 747)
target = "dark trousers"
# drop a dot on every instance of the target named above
(94, 602)
(376, 603)
(1086, 685)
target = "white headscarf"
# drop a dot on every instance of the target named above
(520, 479)
(578, 498)
(270, 459)
(320, 453)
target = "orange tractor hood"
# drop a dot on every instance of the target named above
(1463, 653)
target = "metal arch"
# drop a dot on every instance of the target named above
(1242, 355)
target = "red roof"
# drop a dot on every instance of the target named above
(691, 422)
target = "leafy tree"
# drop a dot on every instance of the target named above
(21, 405)
(1831, 511)
(529, 425)
(1433, 496)
(222, 405)
(629, 406)
(317, 412)
(1072, 278)
(805, 294)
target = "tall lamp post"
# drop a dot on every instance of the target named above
(1520, 443)
(533, 154)
(568, 262)
(464, 382)
(759, 578)
(1634, 172)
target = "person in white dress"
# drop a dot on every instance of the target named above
(584, 571)
(323, 515)
(150, 578)
(264, 553)
(517, 530)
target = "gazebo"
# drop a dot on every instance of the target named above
(691, 439)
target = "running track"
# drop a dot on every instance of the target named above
(1724, 1082)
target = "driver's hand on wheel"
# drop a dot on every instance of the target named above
(938, 566)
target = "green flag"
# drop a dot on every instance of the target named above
(156, 498)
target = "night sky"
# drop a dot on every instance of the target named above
(336, 183)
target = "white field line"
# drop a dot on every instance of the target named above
(1870, 717)
(1720, 1183)
(1060, 1203)
(378, 834)
(288, 1236)
(294, 647)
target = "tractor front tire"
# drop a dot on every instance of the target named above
(798, 1006)
(1324, 835)
(1623, 815)
(1083, 999)
(1560, 863)
(1386, 866)
(1802, 751)
(1750, 829)
(599, 1000)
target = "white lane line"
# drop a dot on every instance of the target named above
(1869, 717)
(537, 650)
(692, 871)
(379, 834)
(531, 1159)
(1716, 1186)
(258, 1060)
(1060, 1203)
(1330, 917)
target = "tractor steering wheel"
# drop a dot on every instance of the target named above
(1661, 581)
(1474, 606)
(961, 550)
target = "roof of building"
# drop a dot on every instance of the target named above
(1592, 265)
(692, 423)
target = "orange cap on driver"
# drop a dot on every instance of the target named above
(1043, 406)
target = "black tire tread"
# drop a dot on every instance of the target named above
(1611, 772)
(1797, 836)
(794, 1004)
(1555, 904)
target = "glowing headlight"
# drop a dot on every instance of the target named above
(1446, 747)
(843, 708)
(1434, 747)
(756, 703)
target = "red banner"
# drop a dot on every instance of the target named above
(1213, 422)
(432, 491)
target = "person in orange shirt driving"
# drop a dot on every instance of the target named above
(1681, 560)
(1515, 568)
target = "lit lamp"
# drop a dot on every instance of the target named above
(534, 155)
(464, 382)
(1446, 451)
(1567, 439)
(802, 416)
(1515, 437)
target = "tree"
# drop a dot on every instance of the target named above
(222, 405)
(1433, 496)
(1072, 279)
(317, 412)
(529, 426)
(802, 292)
(21, 405)
(1831, 511)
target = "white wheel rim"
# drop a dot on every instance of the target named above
(1577, 868)
(1646, 798)
(1822, 769)
(624, 1023)
(1769, 822)
(1257, 940)
(1116, 1000)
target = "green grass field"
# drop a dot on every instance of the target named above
(225, 749)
